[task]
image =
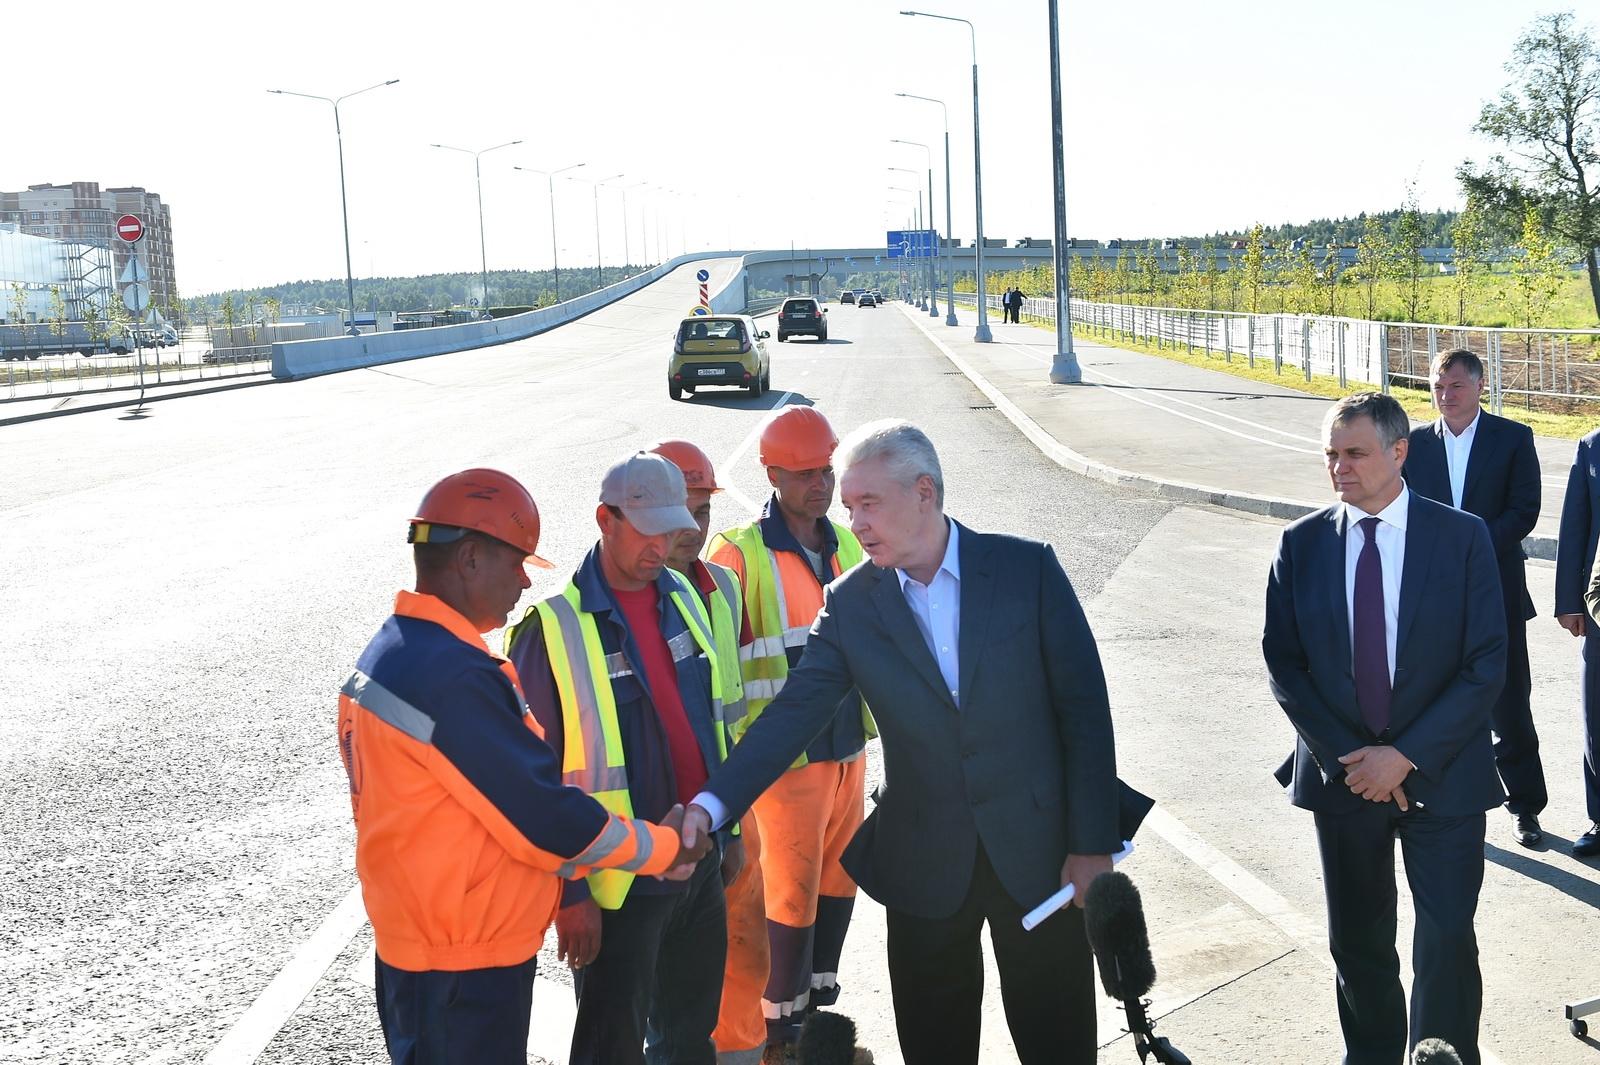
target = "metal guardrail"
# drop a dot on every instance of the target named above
(192, 359)
(1554, 370)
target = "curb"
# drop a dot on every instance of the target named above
(1540, 547)
(127, 401)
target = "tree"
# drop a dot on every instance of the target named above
(1535, 274)
(1549, 120)
(1331, 269)
(1208, 273)
(1305, 290)
(1410, 237)
(92, 321)
(1374, 255)
(1470, 240)
(58, 312)
(1253, 265)
(229, 315)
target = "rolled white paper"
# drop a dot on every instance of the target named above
(1059, 901)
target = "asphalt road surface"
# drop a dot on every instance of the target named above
(188, 588)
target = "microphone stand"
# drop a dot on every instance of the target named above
(1143, 1030)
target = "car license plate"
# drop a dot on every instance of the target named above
(713, 372)
(800, 314)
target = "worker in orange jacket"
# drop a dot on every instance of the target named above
(464, 831)
(783, 561)
(741, 1032)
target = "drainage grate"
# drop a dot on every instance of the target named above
(983, 406)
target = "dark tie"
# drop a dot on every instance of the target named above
(1371, 641)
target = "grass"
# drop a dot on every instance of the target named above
(1418, 404)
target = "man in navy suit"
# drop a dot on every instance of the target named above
(1385, 640)
(1580, 529)
(1486, 465)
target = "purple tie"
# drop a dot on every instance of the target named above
(1371, 641)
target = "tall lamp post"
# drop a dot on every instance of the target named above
(933, 251)
(599, 276)
(922, 304)
(550, 183)
(982, 335)
(915, 221)
(949, 265)
(344, 203)
(477, 171)
(1064, 368)
(627, 261)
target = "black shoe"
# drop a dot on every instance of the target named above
(1588, 844)
(1525, 827)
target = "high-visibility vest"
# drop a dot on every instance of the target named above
(592, 757)
(765, 660)
(727, 606)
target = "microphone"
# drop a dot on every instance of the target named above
(1435, 1052)
(1114, 923)
(826, 1039)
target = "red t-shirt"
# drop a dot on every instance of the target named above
(642, 610)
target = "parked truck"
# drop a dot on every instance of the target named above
(38, 339)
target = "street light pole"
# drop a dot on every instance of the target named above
(982, 335)
(922, 304)
(626, 258)
(344, 203)
(949, 261)
(599, 276)
(1064, 368)
(550, 184)
(933, 251)
(477, 171)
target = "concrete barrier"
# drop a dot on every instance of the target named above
(309, 358)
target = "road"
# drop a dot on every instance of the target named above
(177, 823)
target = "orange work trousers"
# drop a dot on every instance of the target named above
(741, 1033)
(807, 818)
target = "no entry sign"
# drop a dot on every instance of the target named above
(129, 228)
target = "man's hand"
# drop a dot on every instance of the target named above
(732, 861)
(690, 851)
(1376, 773)
(578, 933)
(1576, 624)
(1080, 871)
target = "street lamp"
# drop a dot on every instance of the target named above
(599, 277)
(933, 281)
(550, 182)
(344, 203)
(922, 304)
(982, 334)
(477, 170)
(916, 223)
(949, 267)
(626, 260)
(1064, 368)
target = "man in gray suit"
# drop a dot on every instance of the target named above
(1000, 773)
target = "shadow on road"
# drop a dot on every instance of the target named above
(744, 401)
(1209, 392)
(1570, 884)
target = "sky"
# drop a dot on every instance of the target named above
(770, 122)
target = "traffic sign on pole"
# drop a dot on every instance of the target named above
(702, 276)
(136, 298)
(130, 229)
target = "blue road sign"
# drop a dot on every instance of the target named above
(702, 275)
(911, 243)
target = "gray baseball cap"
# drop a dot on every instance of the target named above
(651, 494)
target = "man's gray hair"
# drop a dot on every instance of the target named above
(1385, 411)
(905, 450)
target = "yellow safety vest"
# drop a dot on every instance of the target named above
(766, 659)
(592, 758)
(727, 604)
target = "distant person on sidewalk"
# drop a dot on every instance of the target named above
(1385, 641)
(1575, 553)
(1016, 305)
(1486, 465)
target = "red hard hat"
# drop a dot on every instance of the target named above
(695, 464)
(485, 501)
(797, 438)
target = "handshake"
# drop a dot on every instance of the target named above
(693, 827)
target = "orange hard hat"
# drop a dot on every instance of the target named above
(694, 463)
(797, 438)
(485, 501)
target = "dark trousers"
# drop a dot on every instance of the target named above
(1444, 866)
(1516, 743)
(1046, 980)
(657, 978)
(1591, 722)
(474, 1017)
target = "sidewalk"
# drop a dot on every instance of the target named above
(48, 405)
(1182, 431)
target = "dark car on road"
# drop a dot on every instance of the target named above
(802, 316)
(847, 296)
(866, 299)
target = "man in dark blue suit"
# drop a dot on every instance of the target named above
(1486, 465)
(1385, 640)
(1580, 530)
(999, 765)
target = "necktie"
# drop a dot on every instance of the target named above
(1371, 640)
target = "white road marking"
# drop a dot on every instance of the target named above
(272, 1009)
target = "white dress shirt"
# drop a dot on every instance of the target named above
(1391, 553)
(1457, 449)
(936, 606)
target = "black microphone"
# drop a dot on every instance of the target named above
(1435, 1052)
(1114, 922)
(826, 1039)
